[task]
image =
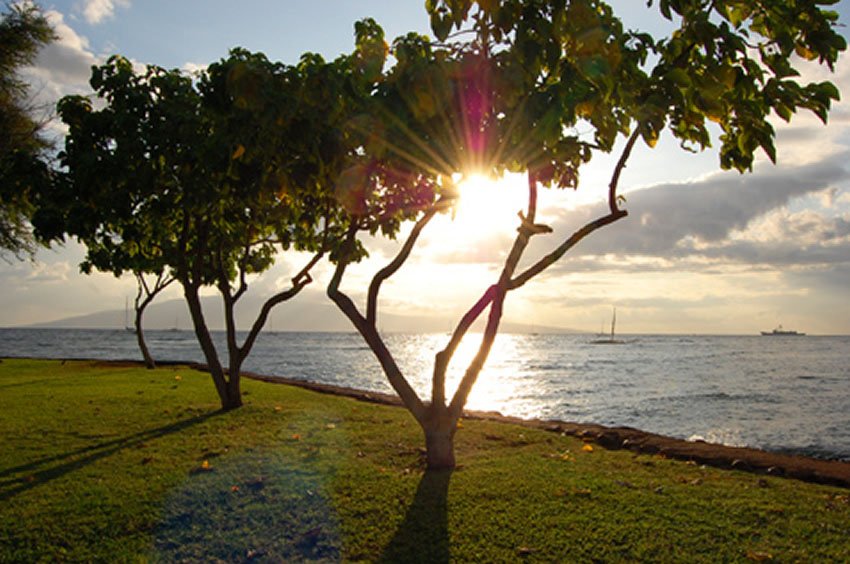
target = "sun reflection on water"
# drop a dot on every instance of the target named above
(505, 378)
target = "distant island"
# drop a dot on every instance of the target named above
(313, 314)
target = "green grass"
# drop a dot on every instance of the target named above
(107, 463)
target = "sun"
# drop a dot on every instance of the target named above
(467, 244)
(489, 207)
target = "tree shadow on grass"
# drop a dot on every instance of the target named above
(19, 479)
(423, 536)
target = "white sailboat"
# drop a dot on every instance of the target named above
(609, 340)
(127, 325)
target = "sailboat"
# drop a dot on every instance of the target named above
(127, 326)
(609, 340)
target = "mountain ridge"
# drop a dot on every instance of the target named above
(302, 315)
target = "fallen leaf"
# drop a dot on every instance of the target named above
(330, 426)
(587, 448)
(759, 556)
(278, 408)
(234, 488)
(178, 377)
(206, 465)
(251, 554)
(525, 551)
(296, 437)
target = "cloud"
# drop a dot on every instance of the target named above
(787, 239)
(681, 219)
(68, 60)
(193, 69)
(97, 11)
(50, 273)
(63, 67)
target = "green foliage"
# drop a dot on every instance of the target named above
(23, 171)
(207, 177)
(540, 87)
(204, 178)
(103, 462)
(729, 62)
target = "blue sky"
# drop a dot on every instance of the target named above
(702, 251)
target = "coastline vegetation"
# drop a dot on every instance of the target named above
(111, 462)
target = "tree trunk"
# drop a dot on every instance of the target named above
(140, 337)
(439, 431)
(234, 383)
(222, 384)
(233, 397)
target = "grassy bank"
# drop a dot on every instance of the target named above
(103, 462)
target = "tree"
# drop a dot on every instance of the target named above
(514, 98)
(23, 31)
(204, 181)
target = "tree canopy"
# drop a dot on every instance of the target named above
(206, 179)
(23, 31)
(510, 86)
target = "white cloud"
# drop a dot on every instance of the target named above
(96, 11)
(50, 273)
(193, 69)
(665, 219)
(63, 66)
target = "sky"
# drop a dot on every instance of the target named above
(702, 251)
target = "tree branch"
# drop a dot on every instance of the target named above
(615, 214)
(243, 268)
(621, 164)
(397, 262)
(299, 281)
(369, 333)
(524, 233)
(553, 257)
(441, 361)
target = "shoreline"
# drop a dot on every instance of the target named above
(804, 468)
(799, 467)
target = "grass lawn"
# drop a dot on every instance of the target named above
(101, 462)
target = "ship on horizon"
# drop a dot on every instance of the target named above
(780, 332)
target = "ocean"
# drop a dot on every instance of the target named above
(783, 394)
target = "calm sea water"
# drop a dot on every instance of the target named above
(787, 394)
